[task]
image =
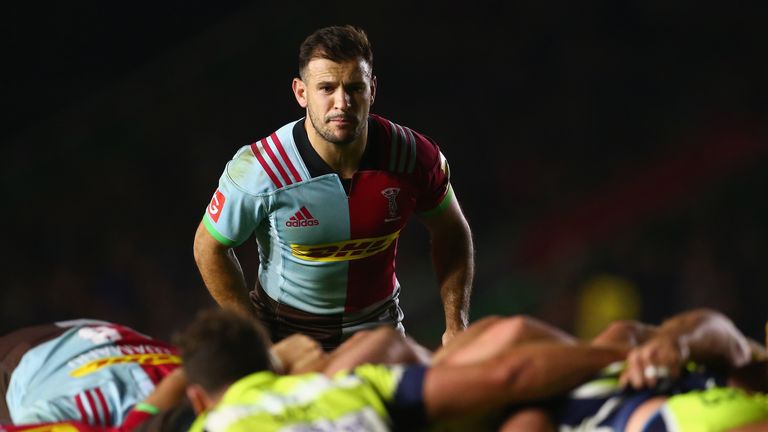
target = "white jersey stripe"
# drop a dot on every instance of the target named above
(88, 408)
(277, 161)
(258, 148)
(102, 408)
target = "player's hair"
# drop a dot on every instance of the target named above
(336, 43)
(219, 347)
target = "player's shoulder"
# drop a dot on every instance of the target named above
(267, 164)
(407, 149)
(401, 134)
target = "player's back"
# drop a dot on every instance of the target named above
(94, 372)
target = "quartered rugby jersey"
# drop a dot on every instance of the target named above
(324, 250)
(714, 409)
(370, 398)
(94, 372)
(603, 405)
(134, 419)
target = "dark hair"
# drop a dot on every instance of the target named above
(336, 43)
(219, 347)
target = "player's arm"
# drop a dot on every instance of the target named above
(383, 345)
(453, 261)
(169, 391)
(167, 395)
(625, 333)
(221, 272)
(490, 336)
(525, 373)
(298, 354)
(701, 335)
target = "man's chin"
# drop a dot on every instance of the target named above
(343, 140)
(341, 137)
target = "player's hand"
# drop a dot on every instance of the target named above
(299, 353)
(660, 358)
(449, 334)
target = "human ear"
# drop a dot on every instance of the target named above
(198, 398)
(300, 92)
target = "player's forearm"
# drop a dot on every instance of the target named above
(169, 391)
(223, 276)
(522, 374)
(543, 370)
(708, 336)
(453, 261)
(383, 345)
(225, 281)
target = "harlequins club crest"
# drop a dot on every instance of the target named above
(391, 195)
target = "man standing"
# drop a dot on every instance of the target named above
(326, 197)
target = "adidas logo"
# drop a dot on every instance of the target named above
(302, 218)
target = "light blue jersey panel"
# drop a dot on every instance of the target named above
(266, 191)
(312, 286)
(89, 373)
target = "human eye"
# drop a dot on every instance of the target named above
(357, 88)
(325, 88)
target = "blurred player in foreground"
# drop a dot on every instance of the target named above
(90, 375)
(694, 372)
(92, 371)
(236, 388)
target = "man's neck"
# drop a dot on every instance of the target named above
(344, 159)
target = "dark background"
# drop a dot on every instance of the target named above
(610, 156)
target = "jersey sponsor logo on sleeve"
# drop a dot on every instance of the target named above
(302, 218)
(345, 250)
(216, 205)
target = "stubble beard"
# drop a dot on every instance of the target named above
(325, 130)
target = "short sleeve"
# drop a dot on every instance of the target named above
(434, 177)
(233, 213)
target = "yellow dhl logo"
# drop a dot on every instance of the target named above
(344, 250)
(153, 359)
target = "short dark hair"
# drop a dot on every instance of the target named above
(219, 347)
(336, 43)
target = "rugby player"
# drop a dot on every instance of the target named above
(233, 386)
(86, 375)
(326, 198)
(91, 371)
(694, 372)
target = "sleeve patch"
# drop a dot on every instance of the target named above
(216, 206)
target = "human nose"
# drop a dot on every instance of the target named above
(342, 99)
